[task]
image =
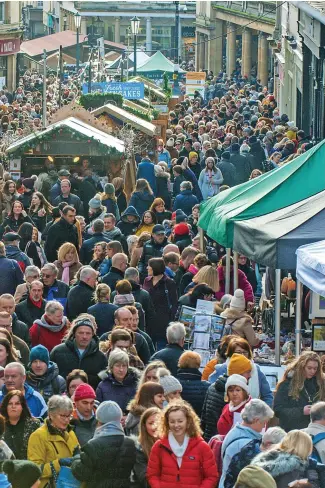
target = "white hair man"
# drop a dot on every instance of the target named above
(80, 297)
(14, 377)
(172, 352)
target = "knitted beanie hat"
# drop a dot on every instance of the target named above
(238, 364)
(83, 392)
(170, 142)
(181, 229)
(109, 189)
(234, 380)
(84, 322)
(238, 300)
(22, 474)
(226, 155)
(28, 183)
(170, 384)
(94, 203)
(255, 477)
(109, 411)
(180, 216)
(39, 352)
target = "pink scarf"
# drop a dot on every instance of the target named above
(66, 272)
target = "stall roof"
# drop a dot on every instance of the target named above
(77, 125)
(141, 58)
(273, 239)
(311, 266)
(53, 42)
(158, 62)
(299, 179)
(127, 118)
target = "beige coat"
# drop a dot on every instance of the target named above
(242, 326)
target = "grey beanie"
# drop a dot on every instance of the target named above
(109, 188)
(170, 384)
(95, 203)
(108, 411)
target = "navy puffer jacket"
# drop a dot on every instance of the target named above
(194, 389)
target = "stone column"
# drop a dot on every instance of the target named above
(149, 36)
(258, 72)
(202, 52)
(263, 71)
(117, 37)
(231, 48)
(83, 27)
(197, 51)
(216, 47)
(246, 64)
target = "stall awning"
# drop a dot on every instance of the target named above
(126, 118)
(311, 266)
(76, 125)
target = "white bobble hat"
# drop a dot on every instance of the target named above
(237, 380)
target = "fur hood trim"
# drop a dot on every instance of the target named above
(279, 463)
(232, 313)
(136, 409)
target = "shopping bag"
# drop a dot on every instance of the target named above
(66, 479)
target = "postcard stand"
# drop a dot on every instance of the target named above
(207, 331)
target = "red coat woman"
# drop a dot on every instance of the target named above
(181, 457)
(238, 396)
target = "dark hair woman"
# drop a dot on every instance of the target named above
(16, 218)
(147, 223)
(118, 183)
(74, 379)
(7, 352)
(164, 297)
(40, 210)
(19, 424)
(158, 207)
(29, 246)
(142, 197)
(9, 195)
(199, 292)
(150, 394)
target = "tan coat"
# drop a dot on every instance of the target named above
(242, 326)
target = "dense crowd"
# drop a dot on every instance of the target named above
(98, 384)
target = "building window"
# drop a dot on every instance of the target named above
(228, 4)
(261, 8)
(2, 12)
(244, 6)
(40, 4)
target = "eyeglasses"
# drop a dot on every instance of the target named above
(46, 275)
(62, 416)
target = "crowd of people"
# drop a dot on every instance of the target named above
(98, 384)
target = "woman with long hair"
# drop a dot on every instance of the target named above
(31, 247)
(103, 310)
(19, 424)
(142, 196)
(158, 207)
(150, 373)
(7, 353)
(9, 195)
(181, 441)
(40, 210)
(67, 263)
(109, 200)
(148, 434)
(137, 251)
(150, 394)
(200, 260)
(147, 223)
(200, 292)
(163, 183)
(303, 384)
(16, 217)
(118, 183)
(210, 179)
(208, 275)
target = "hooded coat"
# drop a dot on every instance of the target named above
(242, 167)
(41, 333)
(51, 383)
(259, 155)
(210, 186)
(228, 172)
(198, 468)
(151, 249)
(59, 233)
(120, 392)
(13, 252)
(129, 228)
(212, 407)
(284, 467)
(241, 325)
(11, 275)
(146, 170)
(162, 184)
(141, 201)
(67, 357)
(185, 201)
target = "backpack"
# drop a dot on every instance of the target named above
(227, 330)
(316, 439)
(215, 444)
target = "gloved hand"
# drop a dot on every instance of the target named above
(76, 451)
(65, 461)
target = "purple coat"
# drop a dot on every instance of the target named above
(243, 284)
(119, 392)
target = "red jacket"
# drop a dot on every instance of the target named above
(48, 339)
(226, 419)
(198, 468)
(243, 284)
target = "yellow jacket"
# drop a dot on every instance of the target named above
(45, 447)
(144, 228)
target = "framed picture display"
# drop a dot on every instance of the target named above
(318, 338)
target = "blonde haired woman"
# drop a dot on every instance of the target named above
(208, 275)
(288, 461)
(137, 251)
(303, 384)
(142, 197)
(103, 311)
(150, 373)
(118, 183)
(181, 441)
(67, 263)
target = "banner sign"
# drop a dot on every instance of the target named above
(9, 46)
(130, 91)
(195, 81)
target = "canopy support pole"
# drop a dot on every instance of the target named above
(202, 243)
(227, 286)
(298, 316)
(235, 257)
(277, 318)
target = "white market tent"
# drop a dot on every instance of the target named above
(142, 57)
(311, 266)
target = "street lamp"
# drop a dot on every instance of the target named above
(65, 19)
(77, 23)
(176, 90)
(135, 24)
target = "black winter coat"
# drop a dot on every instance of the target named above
(228, 172)
(259, 155)
(162, 189)
(80, 298)
(58, 234)
(289, 411)
(212, 407)
(20, 329)
(104, 316)
(106, 462)
(87, 248)
(242, 167)
(143, 297)
(28, 313)
(194, 389)
(151, 249)
(112, 277)
(170, 356)
(66, 356)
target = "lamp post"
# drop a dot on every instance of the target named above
(135, 24)
(176, 90)
(77, 23)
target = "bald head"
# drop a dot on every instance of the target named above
(123, 318)
(171, 248)
(120, 261)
